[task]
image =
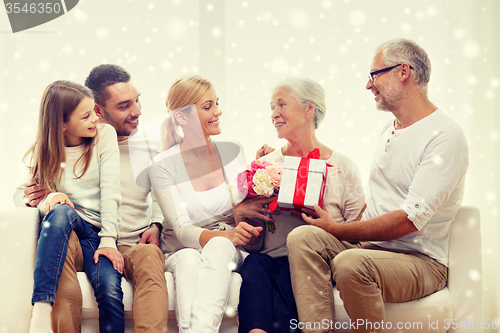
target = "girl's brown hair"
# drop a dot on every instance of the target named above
(48, 155)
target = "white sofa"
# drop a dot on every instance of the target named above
(455, 305)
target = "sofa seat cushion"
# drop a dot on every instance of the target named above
(415, 316)
(89, 304)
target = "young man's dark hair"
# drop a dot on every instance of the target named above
(101, 77)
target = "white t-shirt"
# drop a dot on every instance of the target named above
(420, 169)
(216, 199)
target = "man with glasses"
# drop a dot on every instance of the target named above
(399, 250)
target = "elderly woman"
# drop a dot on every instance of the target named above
(266, 297)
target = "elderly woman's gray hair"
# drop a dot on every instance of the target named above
(397, 51)
(306, 91)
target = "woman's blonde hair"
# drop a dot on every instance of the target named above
(48, 156)
(186, 91)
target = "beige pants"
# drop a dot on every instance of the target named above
(66, 311)
(144, 266)
(366, 277)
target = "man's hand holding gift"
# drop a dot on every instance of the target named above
(319, 218)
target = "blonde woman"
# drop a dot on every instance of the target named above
(190, 181)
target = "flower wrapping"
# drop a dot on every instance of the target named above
(261, 178)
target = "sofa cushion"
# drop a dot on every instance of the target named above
(413, 316)
(90, 310)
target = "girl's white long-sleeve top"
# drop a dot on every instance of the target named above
(96, 194)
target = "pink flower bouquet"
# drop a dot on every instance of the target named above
(261, 178)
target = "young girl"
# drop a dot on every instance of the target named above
(77, 160)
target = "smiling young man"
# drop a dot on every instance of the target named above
(399, 250)
(117, 103)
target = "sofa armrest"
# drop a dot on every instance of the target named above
(465, 267)
(18, 233)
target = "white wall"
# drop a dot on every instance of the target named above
(245, 47)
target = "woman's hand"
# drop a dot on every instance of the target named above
(60, 198)
(113, 255)
(263, 151)
(253, 208)
(243, 234)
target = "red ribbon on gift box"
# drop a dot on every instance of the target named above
(299, 195)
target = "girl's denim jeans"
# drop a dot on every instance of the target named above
(55, 230)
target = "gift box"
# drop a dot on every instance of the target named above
(302, 183)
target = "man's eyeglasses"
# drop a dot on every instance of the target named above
(371, 75)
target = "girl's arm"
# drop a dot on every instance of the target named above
(109, 173)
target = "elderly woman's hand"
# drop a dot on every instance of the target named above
(253, 208)
(263, 151)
